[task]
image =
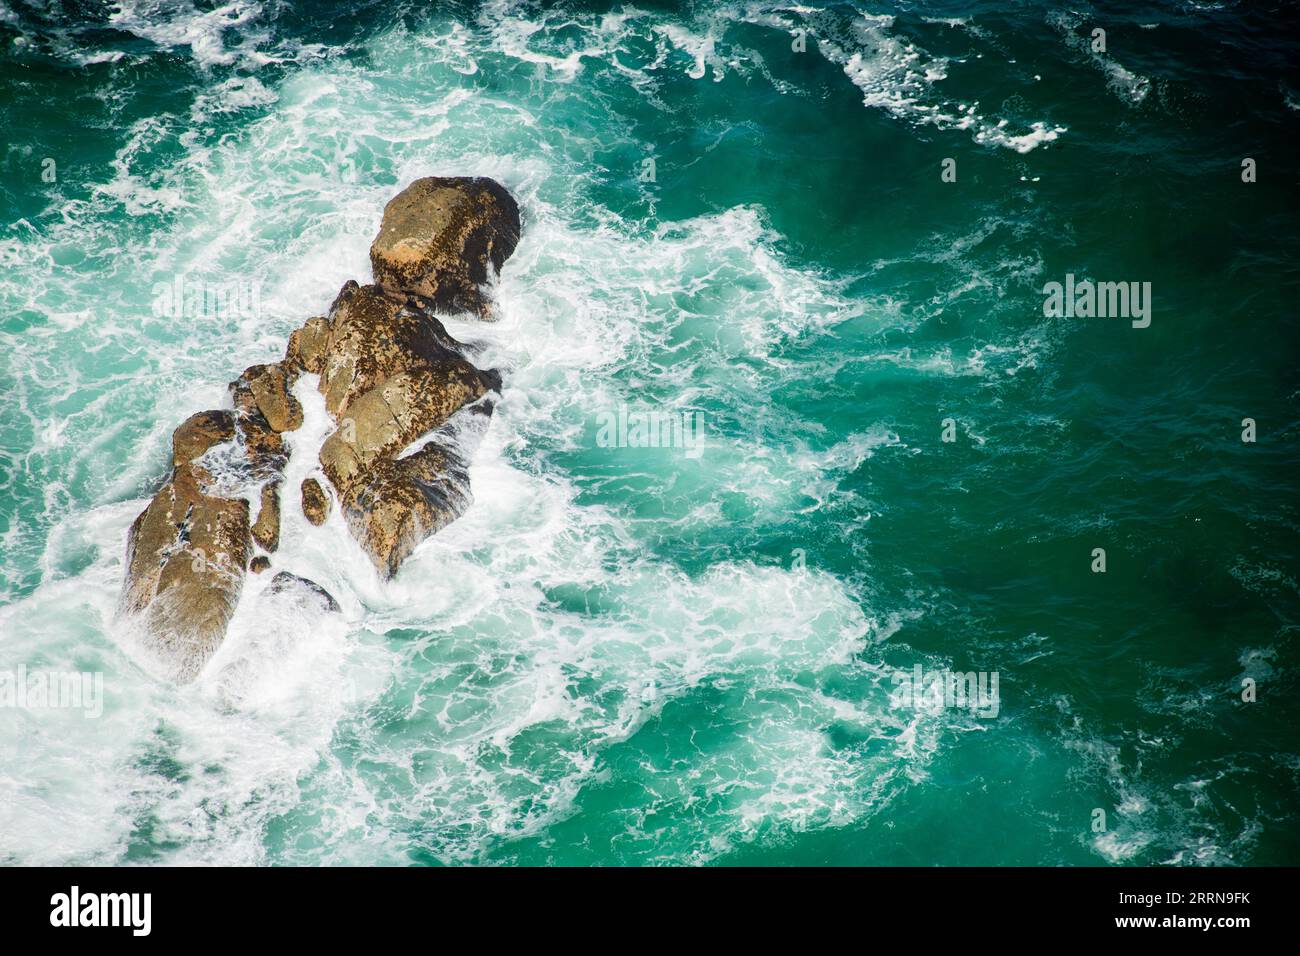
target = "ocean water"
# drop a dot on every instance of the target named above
(641, 655)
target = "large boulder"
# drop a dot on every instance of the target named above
(442, 238)
(371, 337)
(393, 414)
(186, 555)
(397, 503)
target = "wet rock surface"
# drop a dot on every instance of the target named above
(186, 555)
(395, 384)
(303, 590)
(442, 238)
(315, 503)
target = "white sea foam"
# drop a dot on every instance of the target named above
(1127, 86)
(896, 75)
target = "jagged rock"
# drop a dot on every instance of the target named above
(185, 560)
(303, 590)
(266, 389)
(315, 503)
(262, 445)
(371, 338)
(393, 414)
(392, 379)
(398, 503)
(438, 238)
(266, 529)
(199, 432)
(392, 374)
(306, 349)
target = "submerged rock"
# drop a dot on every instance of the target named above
(442, 238)
(302, 590)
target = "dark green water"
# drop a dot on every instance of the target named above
(644, 655)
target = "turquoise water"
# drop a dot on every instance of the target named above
(640, 655)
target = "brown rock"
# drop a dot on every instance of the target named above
(307, 345)
(265, 388)
(266, 529)
(315, 503)
(399, 503)
(259, 564)
(396, 412)
(372, 337)
(438, 238)
(199, 432)
(185, 560)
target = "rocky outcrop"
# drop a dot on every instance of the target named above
(399, 389)
(189, 550)
(442, 238)
(391, 375)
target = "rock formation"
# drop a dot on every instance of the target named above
(442, 238)
(399, 389)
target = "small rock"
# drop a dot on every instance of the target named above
(315, 503)
(259, 564)
(266, 529)
(302, 588)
